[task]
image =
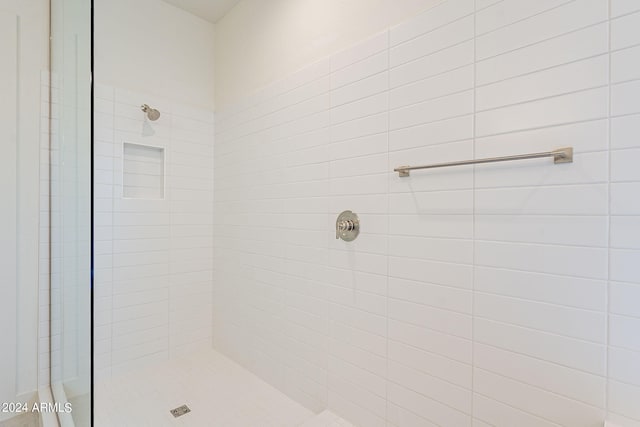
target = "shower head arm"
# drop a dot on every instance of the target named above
(152, 113)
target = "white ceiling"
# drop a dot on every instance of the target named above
(211, 10)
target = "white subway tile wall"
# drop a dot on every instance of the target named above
(154, 250)
(503, 294)
(624, 285)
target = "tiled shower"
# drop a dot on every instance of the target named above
(501, 294)
(153, 219)
(495, 294)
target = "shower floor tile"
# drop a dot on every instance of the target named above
(218, 391)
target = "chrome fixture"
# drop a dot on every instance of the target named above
(180, 411)
(561, 155)
(152, 113)
(347, 226)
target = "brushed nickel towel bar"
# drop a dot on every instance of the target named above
(561, 155)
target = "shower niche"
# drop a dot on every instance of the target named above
(143, 171)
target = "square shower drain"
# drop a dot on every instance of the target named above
(179, 411)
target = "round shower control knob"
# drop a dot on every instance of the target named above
(347, 226)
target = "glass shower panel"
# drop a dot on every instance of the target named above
(70, 182)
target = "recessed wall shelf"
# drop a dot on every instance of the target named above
(143, 171)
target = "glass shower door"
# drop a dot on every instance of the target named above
(70, 186)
